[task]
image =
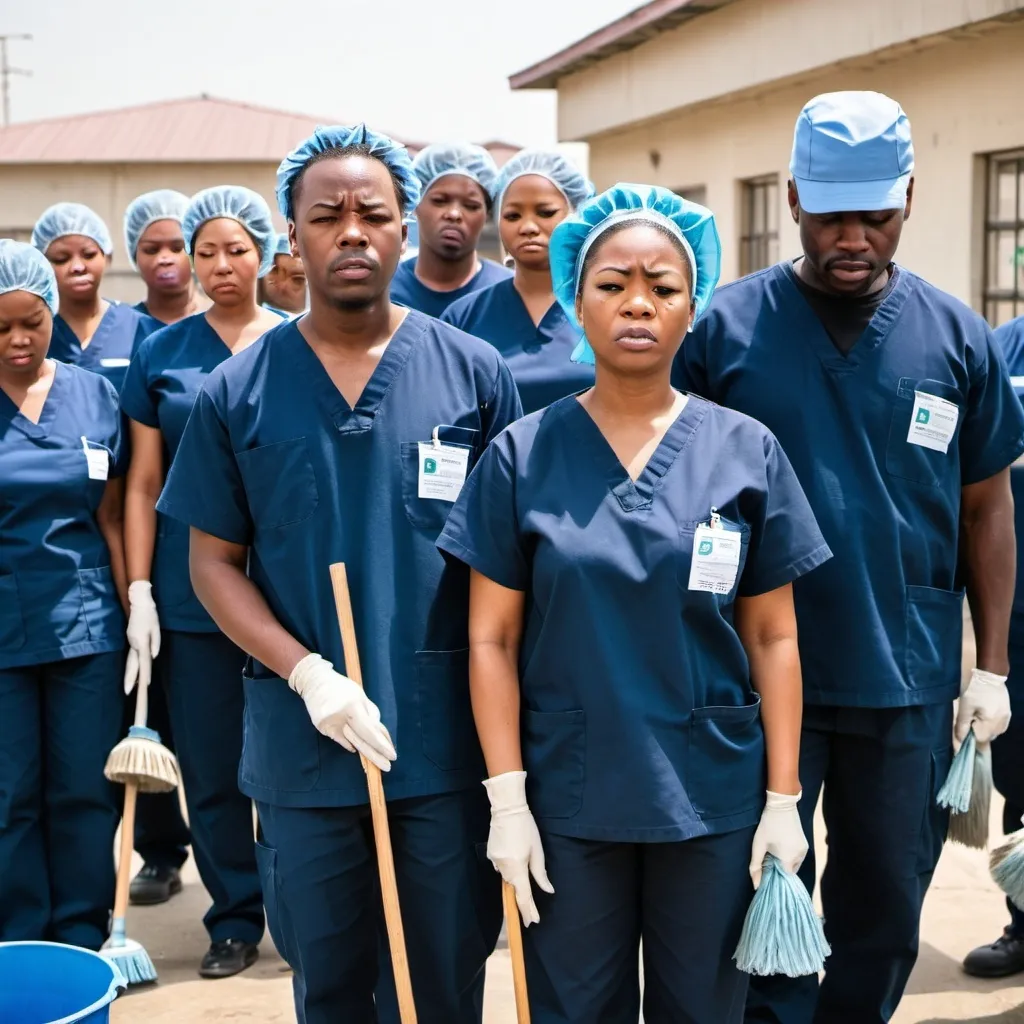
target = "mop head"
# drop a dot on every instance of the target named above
(131, 959)
(971, 829)
(782, 933)
(955, 794)
(141, 758)
(1007, 865)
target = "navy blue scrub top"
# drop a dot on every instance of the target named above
(1010, 339)
(408, 290)
(274, 458)
(881, 624)
(639, 722)
(537, 354)
(57, 594)
(159, 391)
(119, 333)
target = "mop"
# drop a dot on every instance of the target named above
(782, 933)
(967, 793)
(515, 947)
(141, 763)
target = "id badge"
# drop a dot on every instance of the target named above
(933, 422)
(97, 461)
(443, 469)
(715, 562)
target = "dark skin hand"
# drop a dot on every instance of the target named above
(988, 553)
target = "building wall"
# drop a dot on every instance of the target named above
(26, 190)
(963, 97)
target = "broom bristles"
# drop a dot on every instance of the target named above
(141, 758)
(971, 829)
(955, 794)
(1006, 863)
(131, 959)
(782, 933)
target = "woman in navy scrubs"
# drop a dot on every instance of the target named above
(633, 647)
(94, 333)
(519, 316)
(230, 236)
(156, 248)
(62, 586)
(282, 289)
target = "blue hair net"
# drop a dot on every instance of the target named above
(456, 158)
(70, 219)
(236, 203)
(282, 247)
(390, 153)
(548, 163)
(693, 225)
(163, 204)
(23, 268)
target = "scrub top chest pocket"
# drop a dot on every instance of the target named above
(434, 472)
(924, 431)
(280, 483)
(714, 553)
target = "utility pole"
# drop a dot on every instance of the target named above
(5, 74)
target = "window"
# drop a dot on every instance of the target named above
(759, 223)
(1004, 237)
(695, 194)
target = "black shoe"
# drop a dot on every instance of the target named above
(227, 957)
(154, 884)
(1001, 959)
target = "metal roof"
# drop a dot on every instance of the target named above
(198, 129)
(627, 32)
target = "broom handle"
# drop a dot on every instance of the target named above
(124, 861)
(141, 702)
(378, 810)
(515, 948)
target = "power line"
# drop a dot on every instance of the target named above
(6, 71)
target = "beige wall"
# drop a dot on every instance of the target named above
(964, 97)
(26, 190)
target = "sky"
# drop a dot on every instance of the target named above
(422, 70)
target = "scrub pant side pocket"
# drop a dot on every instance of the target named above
(554, 755)
(935, 820)
(12, 625)
(934, 636)
(447, 730)
(726, 765)
(280, 483)
(266, 862)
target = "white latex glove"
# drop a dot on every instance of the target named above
(514, 846)
(985, 705)
(780, 834)
(143, 635)
(340, 710)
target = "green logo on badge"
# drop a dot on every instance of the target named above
(923, 415)
(429, 466)
(705, 547)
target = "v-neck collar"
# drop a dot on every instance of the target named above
(636, 494)
(359, 418)
(809, 326)
(37, 431)
(543, 332)
(92, 353)
(215, 338)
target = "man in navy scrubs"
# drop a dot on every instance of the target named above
(893, 404)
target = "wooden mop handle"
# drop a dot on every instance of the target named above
(515, 947)
(124, 860)
(378, 810)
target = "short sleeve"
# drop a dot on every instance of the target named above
(689, 371)
(483, 527)
(992, 435)
(454, 313)
(204, 487)
(136, 400)
(503, 407)
(785, 541)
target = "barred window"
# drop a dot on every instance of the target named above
(759, 223)
(1004, 238)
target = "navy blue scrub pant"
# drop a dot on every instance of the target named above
(1008, 761)
(161, 835)
(686, 901)
(881, 770)
(320, 884)
(202, 677)
(58, 814)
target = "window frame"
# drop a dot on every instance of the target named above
(992, 298)
(759, 242)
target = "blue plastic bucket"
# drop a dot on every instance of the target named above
(48, 983)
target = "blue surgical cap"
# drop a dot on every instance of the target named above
(445, 158)
(691, 224)
(63, 219)
(234, 202)
(23, 268)
(550, 164)
(392, 154)
(163, 204)
(282, 247)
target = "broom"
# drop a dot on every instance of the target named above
(1006, 863)
(782, 933)
(515, 948)
(967, 794)
(139, 762)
